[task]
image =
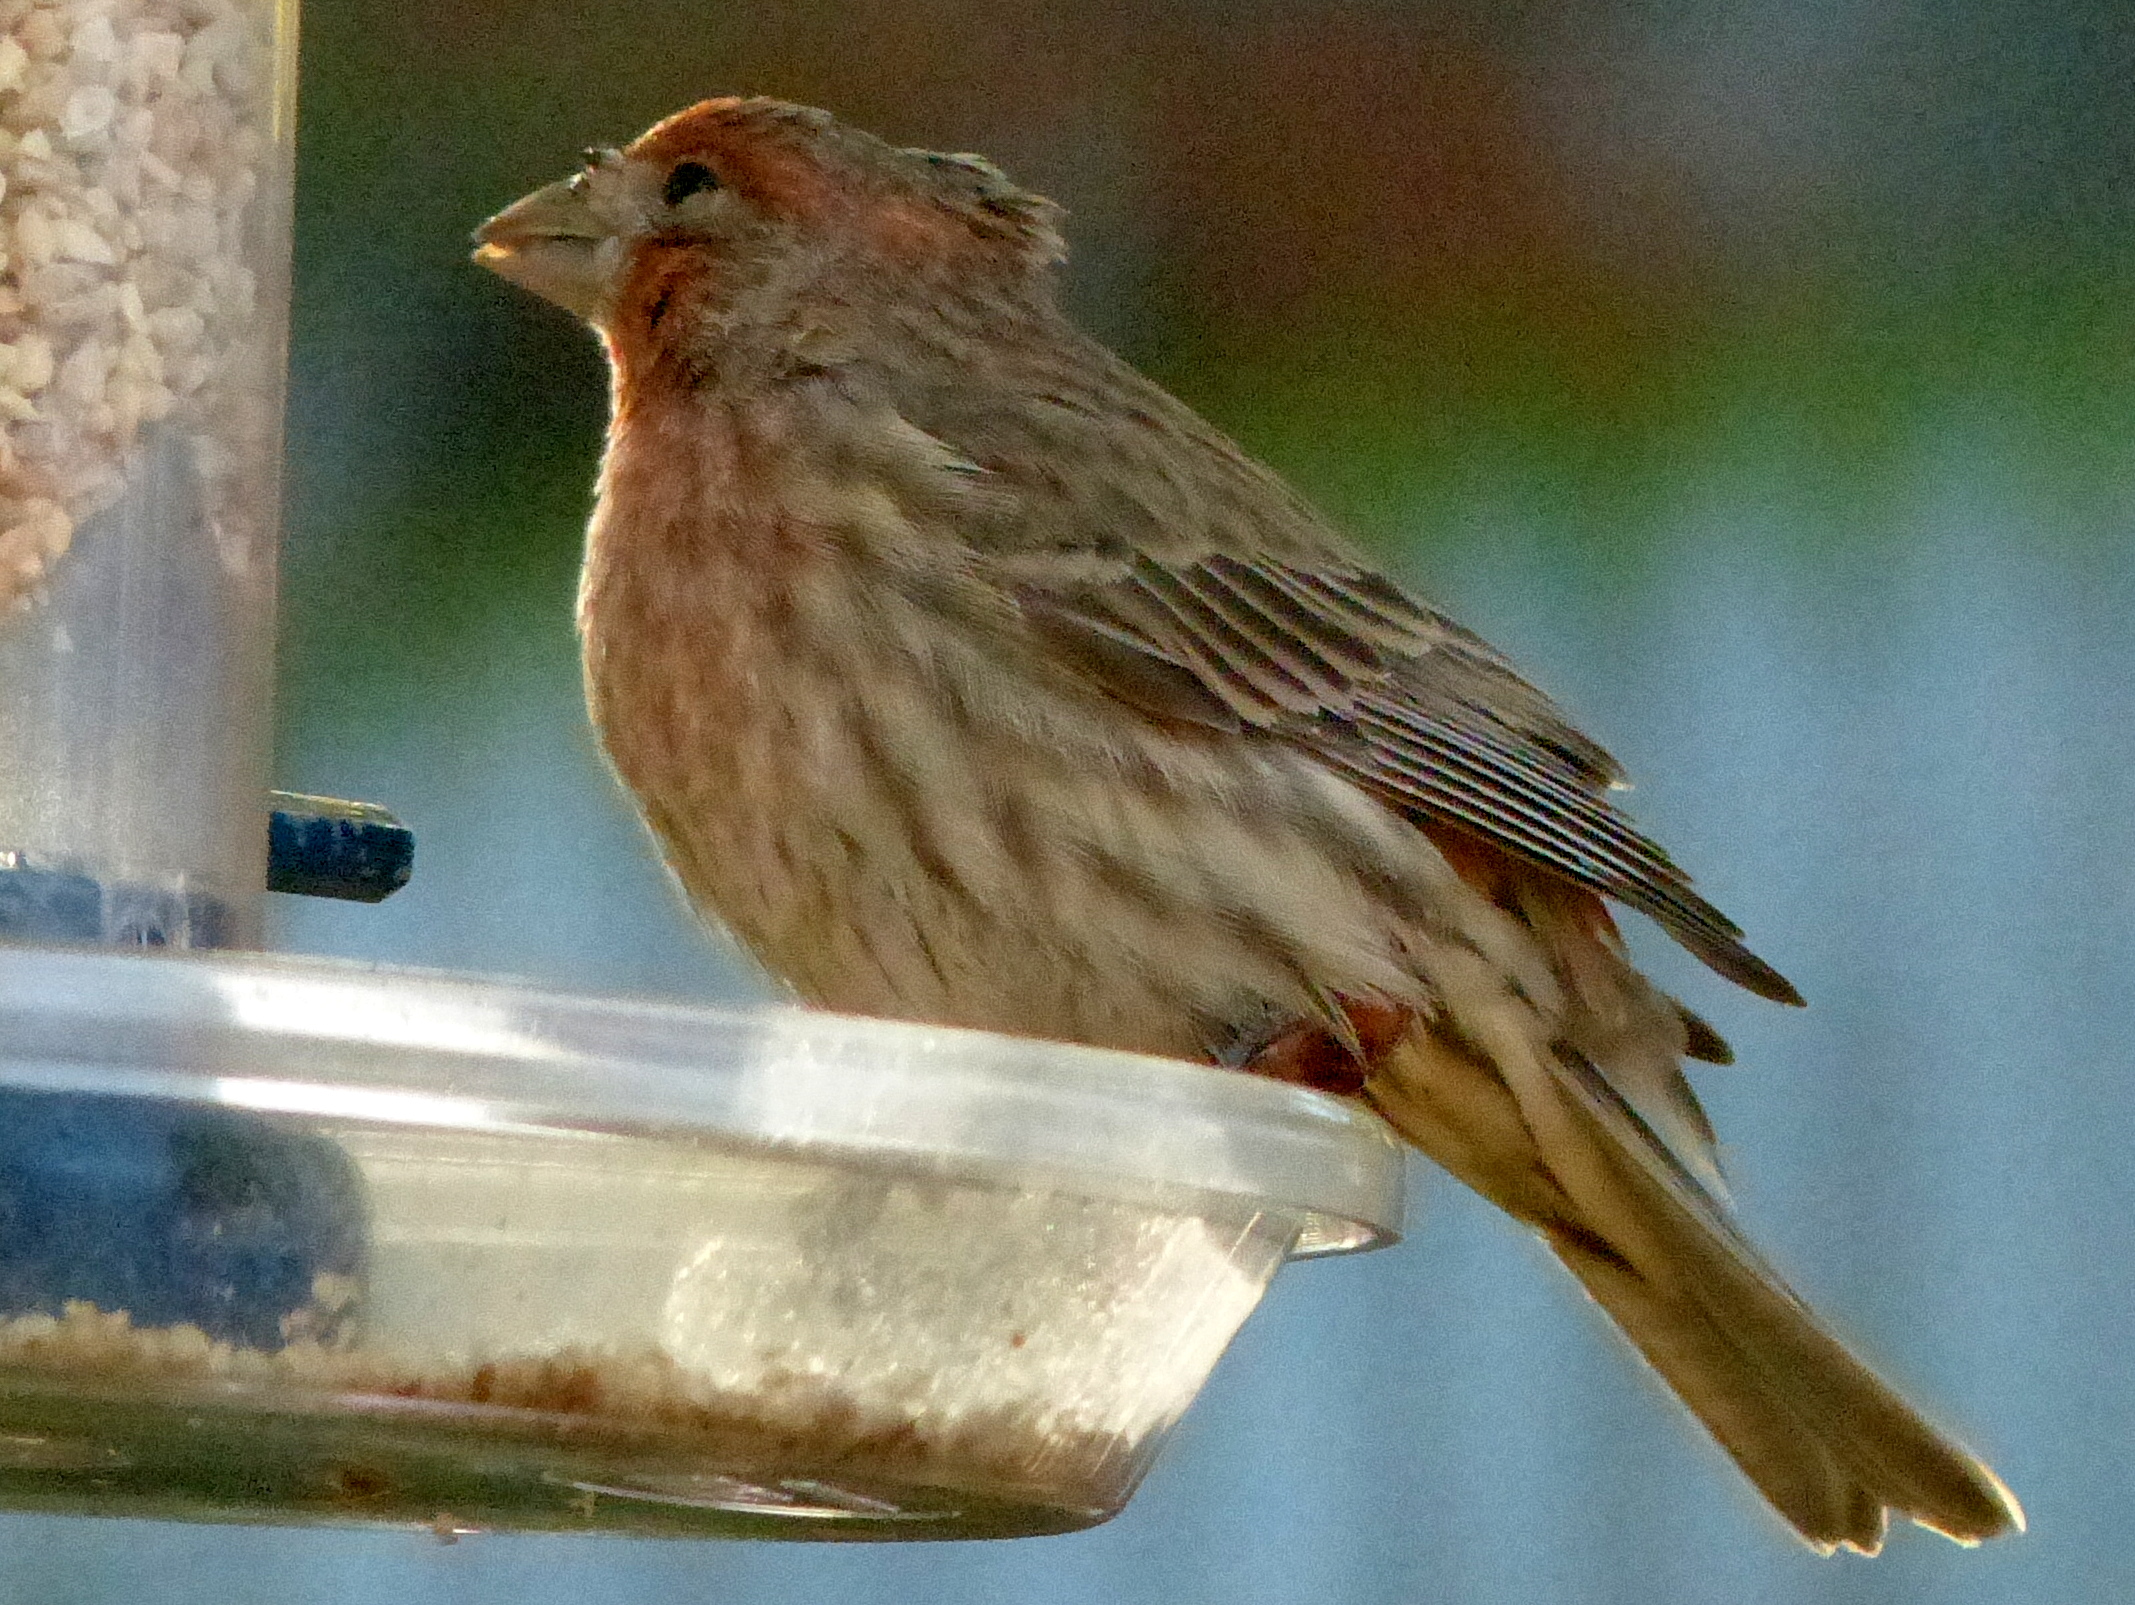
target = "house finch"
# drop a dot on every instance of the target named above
(970, 678)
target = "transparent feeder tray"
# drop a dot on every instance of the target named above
(287, 1241)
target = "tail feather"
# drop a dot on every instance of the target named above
(1543, 1134)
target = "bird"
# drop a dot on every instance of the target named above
(968, 677)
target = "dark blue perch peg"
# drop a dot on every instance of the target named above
(323, 847)
(316, 847)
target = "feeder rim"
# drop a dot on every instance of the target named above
(336, 1040)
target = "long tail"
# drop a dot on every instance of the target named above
(1535, 1127)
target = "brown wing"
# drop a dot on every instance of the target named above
(1342, 663)
(1192, 582)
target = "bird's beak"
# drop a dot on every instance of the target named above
(552, 244)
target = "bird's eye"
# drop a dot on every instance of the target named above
(686, 180)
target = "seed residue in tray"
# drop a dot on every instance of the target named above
(796, 1426)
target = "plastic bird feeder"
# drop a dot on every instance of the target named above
(282, 1240)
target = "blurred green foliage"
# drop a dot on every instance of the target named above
(1428, 260)
(1830, 396)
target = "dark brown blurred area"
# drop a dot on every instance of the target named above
(1523, 244)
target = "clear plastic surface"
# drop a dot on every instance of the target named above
(145, 159)
(456, 1252)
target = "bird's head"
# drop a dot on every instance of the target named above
(755, 215)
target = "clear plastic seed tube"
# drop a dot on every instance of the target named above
(144, 246)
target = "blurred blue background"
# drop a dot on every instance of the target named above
(1758, 374)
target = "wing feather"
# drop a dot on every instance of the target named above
(1188, 581)
(1345, 665)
